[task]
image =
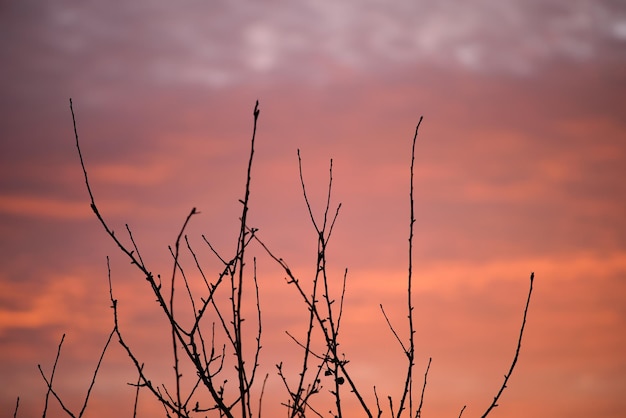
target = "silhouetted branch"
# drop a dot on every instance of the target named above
(418, 414)
(174, 325)
(408, 385)
(380, 411)
(262, 393)
(93, 380)
(54, 367)
(395, 334)
(138, 386)
(517, 350)
(67, 411)
(462, 409)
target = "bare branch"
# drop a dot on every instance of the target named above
(54, 367)
(462, 409)
(137, 393)
(418, 414)
(49, 384)
(404, 349)
(93, 380)
(517, 350)
(408, 385)
(306, 198)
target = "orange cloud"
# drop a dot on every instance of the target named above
(43, 207)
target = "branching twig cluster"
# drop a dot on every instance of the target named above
(215, 342)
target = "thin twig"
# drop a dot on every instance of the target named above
(237, 286)
(132, 240)
(408, 385)
(182, 273)
(305, 347)
(137, 392)
(380, 411)
(261, 395)
(54, 367)
(67, 411)
(341, 300)
(306, 198)
(517, 350)
(259, 328)
(195, 259)
(418, 414)
(175, 335)
(93, 379)
(139, 367)
(393, 329)
(304, 391)
(462, 409)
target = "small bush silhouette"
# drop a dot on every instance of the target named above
(215, 345)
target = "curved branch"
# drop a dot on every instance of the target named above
(519, 346)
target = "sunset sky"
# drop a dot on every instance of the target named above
(520, 167)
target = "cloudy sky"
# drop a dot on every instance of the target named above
(519, 168)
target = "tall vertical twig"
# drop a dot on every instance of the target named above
(408, 386)
(54, 367)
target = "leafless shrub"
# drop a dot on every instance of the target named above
(216, 329)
